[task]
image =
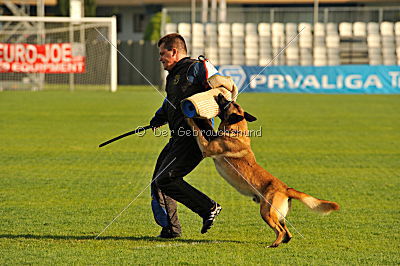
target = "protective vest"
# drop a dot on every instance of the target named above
(179, 87)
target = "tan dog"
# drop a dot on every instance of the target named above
(236, 163)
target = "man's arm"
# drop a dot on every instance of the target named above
(200, 72)
(160, 117)
(204, 73)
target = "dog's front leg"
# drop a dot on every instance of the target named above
(208, 148)
(201, 140)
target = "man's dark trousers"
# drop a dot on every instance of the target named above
(168, 186)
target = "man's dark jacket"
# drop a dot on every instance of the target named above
(182, 81)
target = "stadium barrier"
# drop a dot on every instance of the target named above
(346, 79)
(144, 55)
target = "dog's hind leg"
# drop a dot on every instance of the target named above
(288, 235)
(271, 217)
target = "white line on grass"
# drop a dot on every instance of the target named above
(129, 62)
(116, 217)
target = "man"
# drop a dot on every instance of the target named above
(181, 155)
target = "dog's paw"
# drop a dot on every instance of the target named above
(286, 239)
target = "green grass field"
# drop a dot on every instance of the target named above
(58, 190)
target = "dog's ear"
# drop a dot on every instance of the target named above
(234, 118)
(249, 117)
(220, 99)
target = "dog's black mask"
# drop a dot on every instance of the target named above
(232, 118)
(235, 118)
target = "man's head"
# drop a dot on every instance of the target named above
(172, 48)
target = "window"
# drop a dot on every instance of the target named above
(138, 22)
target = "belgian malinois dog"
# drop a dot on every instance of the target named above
(236, 163)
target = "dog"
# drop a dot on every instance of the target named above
(236, 163)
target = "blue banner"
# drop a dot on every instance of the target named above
(349, 79)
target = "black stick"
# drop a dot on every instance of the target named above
(140, 129)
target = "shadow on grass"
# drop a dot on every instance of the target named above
(131, 238)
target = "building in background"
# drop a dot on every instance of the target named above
(134, 16)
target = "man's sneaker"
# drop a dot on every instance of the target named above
(209, 220)
(167, 233)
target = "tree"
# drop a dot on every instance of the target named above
(63, 6)
(153, 28)
(89, 7)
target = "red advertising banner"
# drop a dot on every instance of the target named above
(42, 58)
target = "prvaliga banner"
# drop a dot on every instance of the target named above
(348, 79)
(42, 58)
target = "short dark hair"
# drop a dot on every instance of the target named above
(173, 40)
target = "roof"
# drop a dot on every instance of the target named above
(187, 2)
(33, 2)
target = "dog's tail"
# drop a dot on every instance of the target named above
(318, 205)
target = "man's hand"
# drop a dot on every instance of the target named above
(156, 123)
